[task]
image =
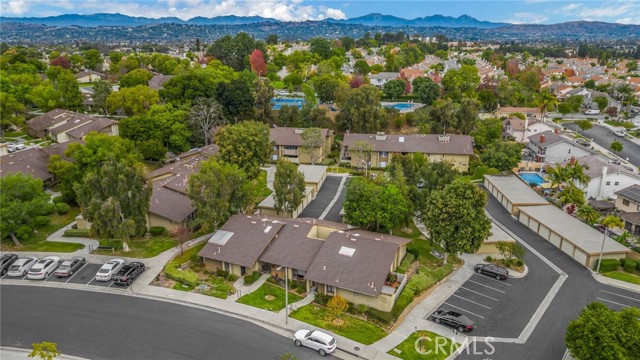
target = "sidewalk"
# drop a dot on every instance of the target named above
(11, 353)
(88, 243)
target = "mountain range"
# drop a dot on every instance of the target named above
(373, 19)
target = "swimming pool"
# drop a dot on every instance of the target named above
(532, 178)
(399, 106)
(277, 103)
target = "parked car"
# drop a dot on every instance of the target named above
(592, 112)
(583, 142)
(68, 267)
(44, 267)
(453, 319)
(109, 269)
(128, 273)
(21, 266)
(6, 261)
(496, 271)
(621, 133)
(316, 340)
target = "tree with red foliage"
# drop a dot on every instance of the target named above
(512, 68)
(258, 65)
(407, 84)
(61, 61)
(356, 81)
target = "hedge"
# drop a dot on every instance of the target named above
(157, 230)
(76, 233)
(250, 279)
(608, 265)
(630, 265)
(42, 220)
(57, 199)
(184, 276)
(62, 208)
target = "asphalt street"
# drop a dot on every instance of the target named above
(324, 197)
(579, 290)
(604, 137)
(105, 326)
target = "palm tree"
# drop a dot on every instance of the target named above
(545, 100)
(588, 214)
(577, 175)
(609, 223)
(558, 175)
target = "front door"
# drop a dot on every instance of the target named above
(243, 270)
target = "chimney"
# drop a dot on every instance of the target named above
(572, 161)
(602, 182)
(543, 139)
(526, 123)
(556, 131)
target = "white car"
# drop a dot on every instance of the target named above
(109, 269)
(316, 340)
(43, 268)
(21, 266)
(620, 133)
(592, 112)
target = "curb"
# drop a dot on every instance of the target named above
(615, 283)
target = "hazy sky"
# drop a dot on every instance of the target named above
(526, 11)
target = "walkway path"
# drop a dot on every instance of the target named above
(89, 244)
(243, 289)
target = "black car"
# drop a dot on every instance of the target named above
(496, 271)
(6, 261)
(453, 319)
(128, 273)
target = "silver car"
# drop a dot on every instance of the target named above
(43, 268)
(68, 267)
(316, 340)
(109, 269)
(21, 266)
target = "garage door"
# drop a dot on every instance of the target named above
(510, 207)
(555, 239)
(524, 218)
(580, 257)
(505, 202)
(544, 232)
(568, 248)
(533, 225)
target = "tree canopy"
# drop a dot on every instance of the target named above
(21, 201)
(246, 145)
(288, 186)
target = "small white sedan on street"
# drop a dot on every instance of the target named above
(21, 266)
(43, 268)
(109, 269)
(316, 340)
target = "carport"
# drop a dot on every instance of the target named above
(512, 192)
(572, 236)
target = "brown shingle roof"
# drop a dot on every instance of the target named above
(416, 143)
(517, 124)
(96, 125)
(288, 136)
(32, 161)
(364, 272)
(632, 217)
(46, 120)
(292, 247)
(170, 204)
(522, 110)
(594, 165)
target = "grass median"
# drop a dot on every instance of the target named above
(268, 297)
(424, 345)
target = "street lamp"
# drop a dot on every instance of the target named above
(604, 237)
(286, 294)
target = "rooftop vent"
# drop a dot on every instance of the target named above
(401, 139)
(298, 131)
(346, 251)
(267, 229)
(381, 136)
(444, 138)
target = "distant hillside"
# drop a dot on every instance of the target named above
(376, 19)
(571, 30)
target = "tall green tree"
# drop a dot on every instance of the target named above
(602, 102)
(600, 333)
(22, 199)
(264, 94)
(115, 199)
(288, 186)
(361, 110)
(375, 206)
(246, 144)
(426, 90)
(616, 146)
(92, 59)
(234, 51)
(545, 101)
(101, 90)
(443, 114)
(236, 97)
(503, 156)
(69, 89)
(584, 124)
(394, 88)
(135, 78)
(132, 101)
(455, 217)
(588, 214)
(312, 143)
(217, 191)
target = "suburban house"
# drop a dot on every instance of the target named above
(288, 143)
(169, 205)
(88, 76)
(33, 161)
(528, 112)
(380, 148)
(63, 125)
(606, 178)
(382, 78)
(520, 130)
(628, 203)
(314, 176)
(550, 147)
(327, 256)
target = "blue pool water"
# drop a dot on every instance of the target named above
(279, 102)
(532, 178)
(399, 106)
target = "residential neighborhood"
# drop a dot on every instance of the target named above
(292, 180)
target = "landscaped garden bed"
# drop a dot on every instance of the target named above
(269, 297)
(138, 248)
(424, 345)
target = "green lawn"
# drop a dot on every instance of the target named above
(261, 187)
(480, 171)
(188, 254)
(257, 298)
(38, 241)
(433, 347)
(139, 248)
(218, 287)
(623, 276)
(353, 328)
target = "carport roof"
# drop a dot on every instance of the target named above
(515, 190)
(578, 233)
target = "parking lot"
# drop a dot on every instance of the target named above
(616, 301)
(499, 308)
(86, 275)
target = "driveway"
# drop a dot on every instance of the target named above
(324, 206)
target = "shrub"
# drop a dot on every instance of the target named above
(62, 208)
(300, 290)
(362, 308)
(42, 220)
(250, 279)
(408, 260)
(57, 199)
(629, 265)
(47, 209)
(489, 258)
(76, 233)
(157, 230)
(186, 277)
(337, 305)
(519, 262)
(415, 252)
(622, 261)
(322, 299)
(608, 265)
(222, 273)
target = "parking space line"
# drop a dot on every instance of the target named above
(492, 288)
(479, 293)
(626, 297)
(76, 273)
(459, 308)
(492, 279)
(613, 302)
(93, 278)
(471, 301)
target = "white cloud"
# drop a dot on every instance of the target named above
(611, 9)
(570, 7)
(527, 18)
(16, 7)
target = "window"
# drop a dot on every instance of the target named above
(608, 183)
(569, 151)
(291, 147)
(330, 289)
(384, 154)
(625, 202)
(616, 183)
(226, 266)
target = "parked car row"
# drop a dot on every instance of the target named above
(34, 268)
